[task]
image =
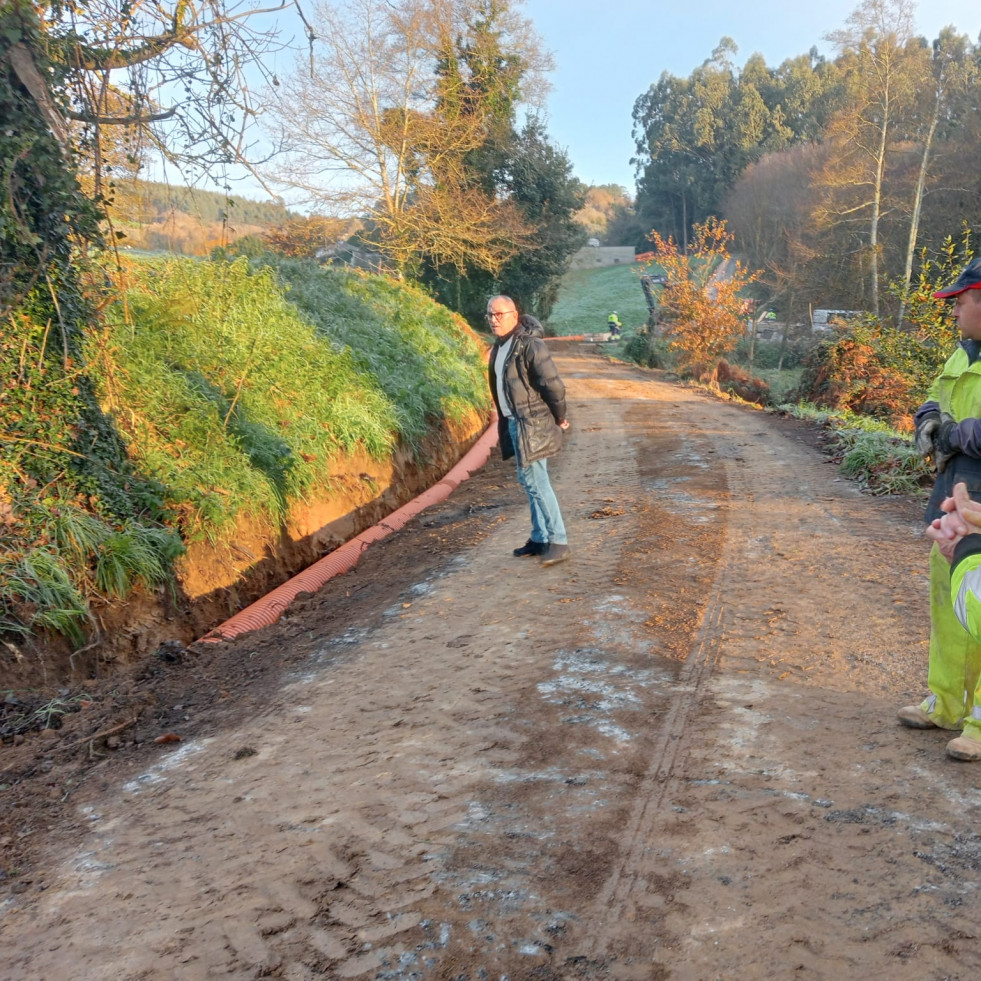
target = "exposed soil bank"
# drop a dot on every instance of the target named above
(216, 580)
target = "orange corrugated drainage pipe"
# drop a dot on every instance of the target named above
(271, 607)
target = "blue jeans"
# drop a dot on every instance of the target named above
(546, 518)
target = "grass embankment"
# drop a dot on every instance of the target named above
(236, 392)
(880, 458)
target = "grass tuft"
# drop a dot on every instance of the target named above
(869, 451)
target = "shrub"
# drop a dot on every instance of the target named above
(856, 370)
(702, 303)
(732, 378)
(767, 354)
(648, 349)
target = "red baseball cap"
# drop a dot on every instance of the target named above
(969, 279)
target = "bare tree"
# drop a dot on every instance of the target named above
(769, 213)
(878, 53)
(173, 73)
(384, 118)
(950, 73)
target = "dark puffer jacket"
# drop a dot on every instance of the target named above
(535, 395)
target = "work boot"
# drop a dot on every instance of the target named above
(554, 554)
(915, 718)
(964, 748)
(530, 548)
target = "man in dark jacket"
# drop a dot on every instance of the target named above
(530, 401)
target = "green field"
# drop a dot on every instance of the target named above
(588, 296)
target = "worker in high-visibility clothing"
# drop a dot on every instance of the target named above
(948, 432)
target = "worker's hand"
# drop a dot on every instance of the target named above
(564, 425)
(940, 532)
(962, 516)
(968, 511)
(925, 430)
(947, 530)
(943, 446)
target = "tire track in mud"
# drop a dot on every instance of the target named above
(636, 881)
(603, 681)
(787, 826)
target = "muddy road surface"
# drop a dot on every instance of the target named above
(673, 756)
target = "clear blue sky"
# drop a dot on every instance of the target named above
(608, 54)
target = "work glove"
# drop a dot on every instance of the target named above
(926, 428)
(943, 448)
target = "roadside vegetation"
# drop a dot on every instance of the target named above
(147, 404)
(861, 381)
(238, 388)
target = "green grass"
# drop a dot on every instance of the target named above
(235, 391)
(422, 357)
(37, 592)
(869, 451)
(588, 296)
(782, 383)
(239, 389)
(75, 555)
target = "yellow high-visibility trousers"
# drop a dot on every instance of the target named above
(955, 660)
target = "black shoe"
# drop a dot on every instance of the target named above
(554, 554)
(531, 548)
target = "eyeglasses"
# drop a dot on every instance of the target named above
(497, 314)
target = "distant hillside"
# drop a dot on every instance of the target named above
(185, 220)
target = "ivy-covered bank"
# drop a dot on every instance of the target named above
(76, 517)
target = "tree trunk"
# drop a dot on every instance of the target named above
(684, 220)
(880, 166)
(786, 330)
(914, 226)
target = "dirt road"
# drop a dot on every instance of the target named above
(674, 756)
